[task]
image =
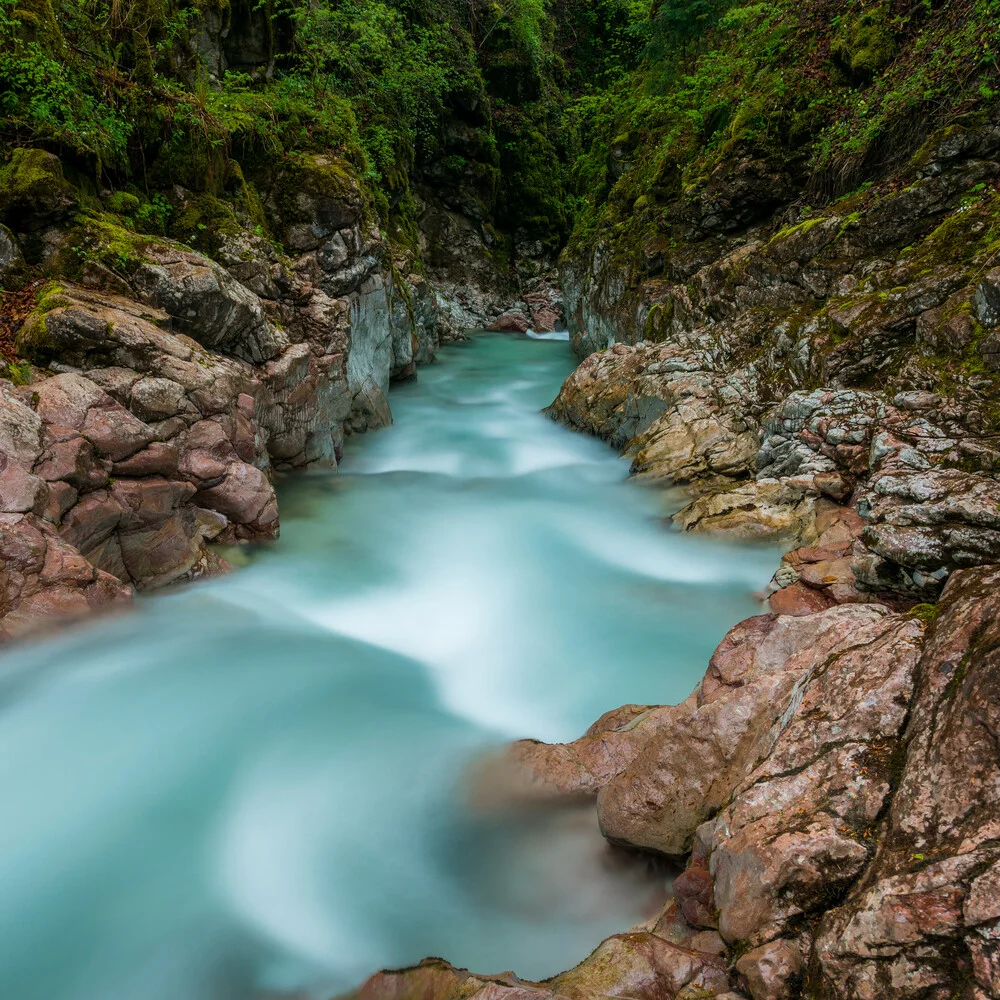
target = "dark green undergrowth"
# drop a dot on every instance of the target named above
(547, 117)
(833, 93)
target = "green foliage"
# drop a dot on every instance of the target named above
(833, 92)
(19, 372)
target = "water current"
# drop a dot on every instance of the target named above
(258, 786)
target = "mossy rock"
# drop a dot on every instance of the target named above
(318, 192)
(203, 222)
(101, 240)
(33, 190)
(865, 43)
(33, 339)
(122, 203)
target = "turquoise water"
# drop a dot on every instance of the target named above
(258, 785)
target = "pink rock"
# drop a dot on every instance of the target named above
(772, 970)
(511, 323)
(695, 895)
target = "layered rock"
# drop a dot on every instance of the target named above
(793, 363)
(832, 785)
(167, 386)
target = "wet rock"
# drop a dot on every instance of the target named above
(642, 966)
(767, 510)
(820, 574)
(702, 753)
(694, 892)
(43, 579)
(511, 323)
(668, 410)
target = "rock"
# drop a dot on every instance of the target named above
(34, 191)
(43, 579)
(75, 402)
(642, 967)
(12, 267)
(922, 526)
(798, 825)
(701, 753)
(819, 433)
(695, 895)
(511, 323)
(773, 970)
(820, 574)
(986, 303)
(921, 916)
(208, 303)
(767, 510)
(665, 408)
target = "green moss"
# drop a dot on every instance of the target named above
(865, 42)
(33, 340)
(203, 222)
(32, 185)
(926, 613)
(102, 240)
(123, 203)
(52, 296)
(19, 372)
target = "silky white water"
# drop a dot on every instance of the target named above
(258, 785)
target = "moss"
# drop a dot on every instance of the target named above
(52, 296)
(102, 240)
(33, 340)
(32, 185)
(19, 372)
(865, 43)
(799, 228)
(203, 222)
(926, 613)
(304, 181)
(123, 203)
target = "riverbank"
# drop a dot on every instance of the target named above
(261, 783)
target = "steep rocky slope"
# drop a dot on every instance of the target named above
(166, 387)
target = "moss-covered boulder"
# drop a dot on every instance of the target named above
(315, 197)
(34, 191)
(865, 43)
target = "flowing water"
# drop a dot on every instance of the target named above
(258, 785)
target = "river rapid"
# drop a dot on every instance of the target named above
(258, 785)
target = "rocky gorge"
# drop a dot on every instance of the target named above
(800, 352)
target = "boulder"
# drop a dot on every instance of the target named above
(679, 420)
(773, 971)
(511, 323)
(44, 579)
(768, 510)
(922, 526)
(12, 267)
(926, 913)
(705, 750)
(34, 191)
(208, 303)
